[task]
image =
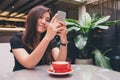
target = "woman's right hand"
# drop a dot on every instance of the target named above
(53, 28)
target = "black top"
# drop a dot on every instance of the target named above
(16, 42)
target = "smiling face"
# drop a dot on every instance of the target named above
(43, 22)
(36, 24)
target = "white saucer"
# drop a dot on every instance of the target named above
(53, 73)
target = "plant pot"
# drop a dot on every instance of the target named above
(84, 61)
(115, 63)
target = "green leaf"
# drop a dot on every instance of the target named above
(110, 23)
(80, 41)
(73, 28)
(101, 20)
(96, 17)
(86, 20)
(101, 60)
(85, 29)
(101, 27)
(72, 22)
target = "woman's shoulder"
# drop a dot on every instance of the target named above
(17, 38)
(16, 41)
(18, 35)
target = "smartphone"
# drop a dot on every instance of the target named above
(61, 15)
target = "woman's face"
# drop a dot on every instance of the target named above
(43, 22)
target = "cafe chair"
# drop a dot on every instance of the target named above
(6, 58)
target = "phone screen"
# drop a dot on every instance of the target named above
(61, 15)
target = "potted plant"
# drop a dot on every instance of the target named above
(101, 60)
(79, 31)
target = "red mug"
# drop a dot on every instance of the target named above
(61, 66)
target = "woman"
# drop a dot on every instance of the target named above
(37, 44)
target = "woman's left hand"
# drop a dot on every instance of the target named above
(62, 32)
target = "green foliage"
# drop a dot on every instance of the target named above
(101, 60)
(87, 23)
(80, 31)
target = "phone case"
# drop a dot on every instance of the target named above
(61, 15)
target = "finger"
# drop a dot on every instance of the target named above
(60, 29)
(53, 18)
(58, 34)
(58, 25)
(62, 23)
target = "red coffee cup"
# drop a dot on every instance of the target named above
(61, 66)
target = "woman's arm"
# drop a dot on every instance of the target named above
(30, 60)
(61, 54)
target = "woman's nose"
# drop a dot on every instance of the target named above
(43, 21)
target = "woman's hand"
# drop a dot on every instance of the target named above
(62, 31)
(56, 28)
(52, 28)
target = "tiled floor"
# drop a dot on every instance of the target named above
(6, 58)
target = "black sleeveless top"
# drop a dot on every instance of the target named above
(16, 42)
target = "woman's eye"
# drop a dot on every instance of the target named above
(40, 17)
(48, 20)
